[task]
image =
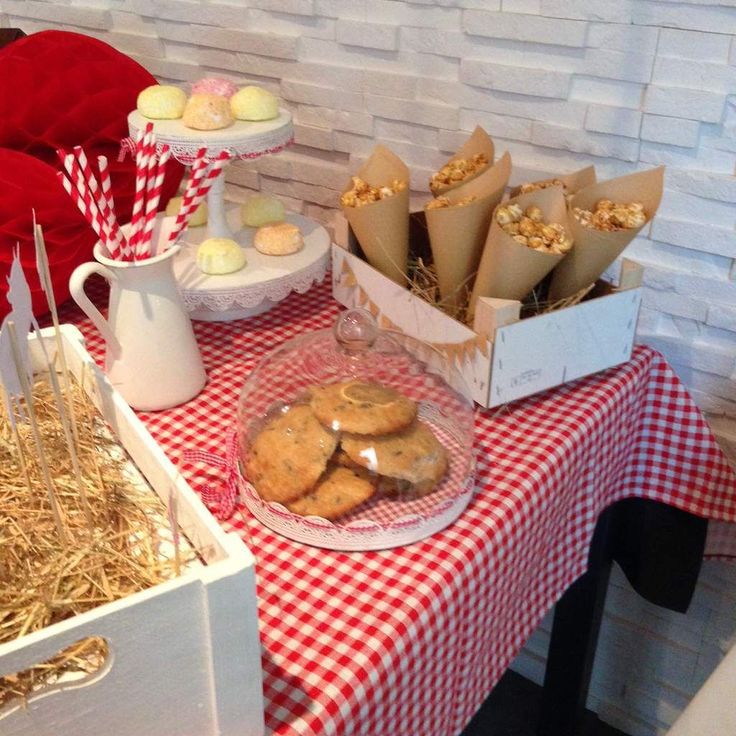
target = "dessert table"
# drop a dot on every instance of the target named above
(412, 640)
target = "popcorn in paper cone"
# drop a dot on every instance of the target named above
(594, 249)
(380, 221)
(473, 158)
(509, 269)
(570, 183)
(458, 230)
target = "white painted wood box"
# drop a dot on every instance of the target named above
(185, 655)
(502, 358)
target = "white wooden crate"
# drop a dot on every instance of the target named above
(185, 656)
(502, 358)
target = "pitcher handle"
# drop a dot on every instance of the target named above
(76, 288)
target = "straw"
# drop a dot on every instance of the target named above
(81, 195)
(113, 236)
(190, 203)
(43, 582)
(85, 191)
(31, 411)
(119, 243)
(139, 198)
(155, 185)
(195, 175)
(66, 411)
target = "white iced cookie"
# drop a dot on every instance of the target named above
(199, 217)
(254, 103)
(278, 240)
(207, 112)
(217, 256)
(161, 102)
(260, 209)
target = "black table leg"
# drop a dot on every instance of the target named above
(660, 550)
(572, 646)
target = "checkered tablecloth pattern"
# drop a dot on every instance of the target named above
(410, 641)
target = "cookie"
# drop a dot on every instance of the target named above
(289, 455)
(361, 407)
(207, 112)
(342, 459)
(281, 239)
(339, 491)
(414, 455)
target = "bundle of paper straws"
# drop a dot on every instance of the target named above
(94, 199)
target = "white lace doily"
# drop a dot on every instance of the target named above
(244, 140)
(381, 523)
(264, 281)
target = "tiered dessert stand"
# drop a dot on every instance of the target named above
(265, 280)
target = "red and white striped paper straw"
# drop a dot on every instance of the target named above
(196, 174)
(204, 186)
(153, 198)
(143, 146)
(119, 244)
(82, 196)
(76, 198)
(93, 198)
(93, 188)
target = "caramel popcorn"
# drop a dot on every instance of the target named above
(443, 202)
(363, 193)
(458, 170)
(612, 216)
(527, 227)
(535, 186)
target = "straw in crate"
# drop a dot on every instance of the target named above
(93, 196)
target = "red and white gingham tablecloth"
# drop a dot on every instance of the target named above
(410, 641)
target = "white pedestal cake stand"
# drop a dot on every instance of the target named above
(244, 140)
(265, 280)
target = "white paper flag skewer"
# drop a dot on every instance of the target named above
(19, 298)
(44, 275)
(66, 412)
(16, 351)
(16, 371)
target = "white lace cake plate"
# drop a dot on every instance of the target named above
(382, 522)
(361, 535)
(243, 139)
(262, 283)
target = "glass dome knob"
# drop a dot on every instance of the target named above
(356, 330)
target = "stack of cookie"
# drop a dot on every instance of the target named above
(352, 440)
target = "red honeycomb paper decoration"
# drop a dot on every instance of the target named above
(60, 90)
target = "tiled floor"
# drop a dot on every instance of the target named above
(512, 710)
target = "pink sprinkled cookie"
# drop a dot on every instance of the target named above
(214, 86)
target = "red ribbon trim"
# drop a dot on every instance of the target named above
(221, 499)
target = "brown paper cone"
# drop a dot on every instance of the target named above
(493, 179)
(382, 227)
(510, 270)
(457, 234)
(478, 142)
(573, 182)
(595, 250)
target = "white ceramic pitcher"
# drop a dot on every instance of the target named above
(151, 357)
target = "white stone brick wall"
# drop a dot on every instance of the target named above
(560, 84)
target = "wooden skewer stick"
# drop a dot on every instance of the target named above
(31, 410)
(174, 523)
(87, 371)
(18, 444)
(68, 417)
(45, 276)
(70, 444)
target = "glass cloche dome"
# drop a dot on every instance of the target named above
(355, 438)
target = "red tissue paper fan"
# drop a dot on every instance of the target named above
(26, 184)
(63, 89)
(60, 90)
